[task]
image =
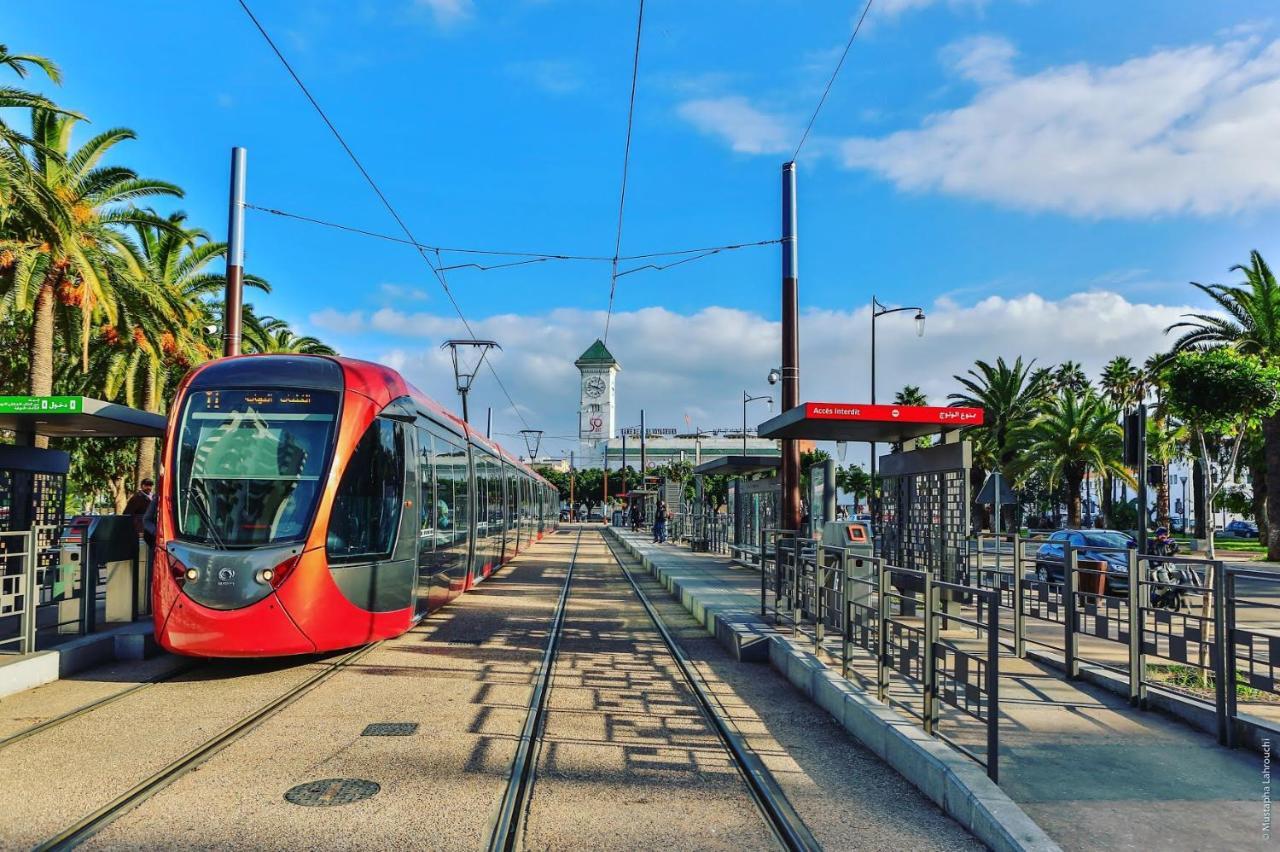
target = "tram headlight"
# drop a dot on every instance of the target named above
(266, 575)
(192, 574)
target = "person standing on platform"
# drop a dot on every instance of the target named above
(660, 523)
(137, 508)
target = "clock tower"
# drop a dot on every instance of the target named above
(599, 371)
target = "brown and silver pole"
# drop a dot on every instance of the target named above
(233, 301)
(790, 347)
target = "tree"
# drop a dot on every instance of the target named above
(1252, 326)
(271, 335)
(73, 252)
(1009, 396)
(854, 480)
(1219, 393)
(910, 395)
(1069, 375)
(1076, 432)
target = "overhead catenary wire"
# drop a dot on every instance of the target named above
(822, 100)
(530, 255)
(626, 162)
(444, 283)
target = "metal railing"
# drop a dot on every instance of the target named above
(1195, 627)
(33, 597)
(920, 632)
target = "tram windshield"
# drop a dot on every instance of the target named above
(251, 463)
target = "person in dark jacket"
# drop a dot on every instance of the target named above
(660, 523)
(137, 508)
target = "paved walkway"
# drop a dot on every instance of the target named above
(1092, 771)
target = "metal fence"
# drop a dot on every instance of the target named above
(1195, 627)
(34, 596)
(917, 632)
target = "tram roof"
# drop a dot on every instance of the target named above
(77, 417)
(852, 421)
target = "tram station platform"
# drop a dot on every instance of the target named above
(1080, 769)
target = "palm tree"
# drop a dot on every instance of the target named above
(1120, 382)
(1069, 375)
(1075, 433)
(1008, 395)
(910, 395)
(77, 251)
(272, 335)
(1252, 325)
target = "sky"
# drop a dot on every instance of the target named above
(1043, 178)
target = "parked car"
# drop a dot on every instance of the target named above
(1051, 567)
(1178, 524)
(1241, 529)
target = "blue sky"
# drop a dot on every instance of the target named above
(972, 156)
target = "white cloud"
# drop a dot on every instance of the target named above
(401, 293)
(983, 59)
(1188, 129)
(747, 130)
(339, 322)
(894, 8)
(447, 13)
(697, 364)
(553, 76)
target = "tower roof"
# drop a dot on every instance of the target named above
(597, 355)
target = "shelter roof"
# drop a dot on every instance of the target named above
(77, 417)
(850, 421)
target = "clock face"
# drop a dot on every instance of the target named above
(594, 386)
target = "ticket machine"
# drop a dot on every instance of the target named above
(98, 575)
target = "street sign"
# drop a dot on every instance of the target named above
(987, 495)
(942, 415)
(41, 405)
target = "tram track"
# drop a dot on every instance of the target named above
(91, 823)
(85, 709)
(788, 829)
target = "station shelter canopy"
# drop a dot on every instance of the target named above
(737, 465)
(77, 417)
(851, 421)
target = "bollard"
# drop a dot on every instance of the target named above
(1069, 594)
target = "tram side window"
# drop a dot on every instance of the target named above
(460, 509)
(427, 513)
(366, 508)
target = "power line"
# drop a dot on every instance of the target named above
(626, 162)
(531, 256)
(444, 284)
(826, 91)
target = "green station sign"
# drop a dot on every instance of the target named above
(41, 404)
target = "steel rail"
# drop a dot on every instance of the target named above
(777, 810)
(505, 830)
(91, 706)
(89, 825)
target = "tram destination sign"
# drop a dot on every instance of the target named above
(41, 404)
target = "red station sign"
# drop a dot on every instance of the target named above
(941, 415)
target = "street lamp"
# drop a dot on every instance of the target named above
(878, 310)
(746, 397)
(467, 364)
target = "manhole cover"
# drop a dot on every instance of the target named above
(390, 729)
(332, 792)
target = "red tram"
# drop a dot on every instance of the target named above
(310, 503)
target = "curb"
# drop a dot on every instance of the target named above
(952, 781)
(133, 641)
